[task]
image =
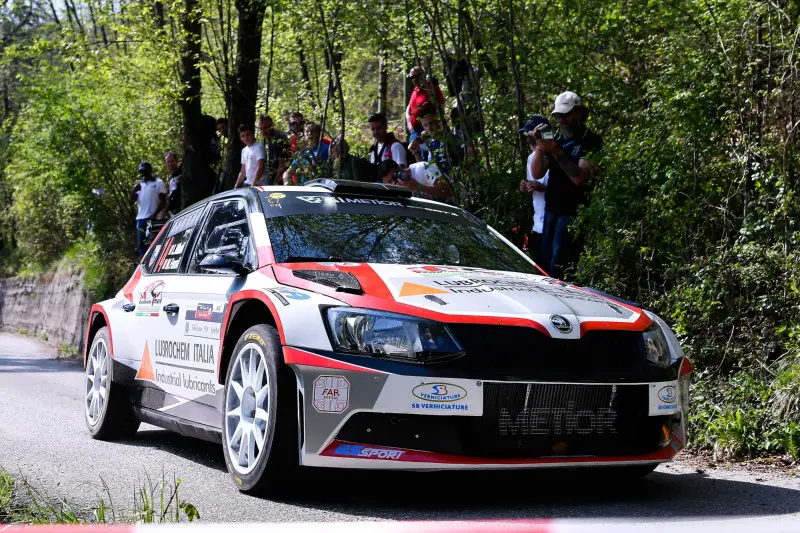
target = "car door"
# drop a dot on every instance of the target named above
(135, 311)
(202, 298)
(157, 338)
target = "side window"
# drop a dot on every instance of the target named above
(225, 232)
(155, 251)
(177, 240)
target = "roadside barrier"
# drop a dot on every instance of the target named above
(766, 524)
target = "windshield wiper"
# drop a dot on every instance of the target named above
(304, 259)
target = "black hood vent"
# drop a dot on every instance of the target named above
(341, 281)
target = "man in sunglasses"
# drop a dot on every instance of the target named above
(566, 156)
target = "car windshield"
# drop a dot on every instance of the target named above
(390, 239)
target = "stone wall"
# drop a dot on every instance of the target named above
(53, 306)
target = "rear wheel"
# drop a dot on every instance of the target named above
(107, 409)
(259, 426)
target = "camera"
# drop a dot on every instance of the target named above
(400, 175)
(544, 133)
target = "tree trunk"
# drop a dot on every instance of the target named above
(517, 78)
(301, 55)
(382, 81)
(195, 178)
(244, 89)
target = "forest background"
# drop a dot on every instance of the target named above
(693, 212)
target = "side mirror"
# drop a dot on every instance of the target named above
(223, 264)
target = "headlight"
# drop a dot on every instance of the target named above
(390, 336)
(655, 346)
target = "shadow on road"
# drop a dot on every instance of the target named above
(494, 495)
(206, 453)
(14, 363)
(505, 494)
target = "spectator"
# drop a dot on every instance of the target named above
(565, 157)
(173, 181)
(277, 145)
(220, 170)
(421, 96)
(151, 195)
(386, 145)
(296, 126)
(222, 127)
(253, 158)
(435, 144)
(534, 187)
(352, 167)
(309, 162)
(424, 180)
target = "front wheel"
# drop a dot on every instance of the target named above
(259, 426)
(107, 409)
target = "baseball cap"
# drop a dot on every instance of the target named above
(144, 166)
(534, 121)
(565, 102)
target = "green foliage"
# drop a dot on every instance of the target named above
(154, 502)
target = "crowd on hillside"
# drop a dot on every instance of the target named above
(557, 167)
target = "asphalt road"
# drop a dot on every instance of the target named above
(43, 437)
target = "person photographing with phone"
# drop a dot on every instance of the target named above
(565, 157)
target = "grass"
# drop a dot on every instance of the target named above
(154, 502)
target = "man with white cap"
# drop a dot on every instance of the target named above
(566, 159)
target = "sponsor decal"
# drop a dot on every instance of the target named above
(439, 392)
(667, 394)
(293, 294)
(557, 421)
(204, 320)
(183, 365)
(150, 299)
(560, 323)
(663, 398)
(444, 271)
(449, 397)
(204, 312)
(274, 199)
(341, 200)
(331, 394)
(367, 452)
(414, 289)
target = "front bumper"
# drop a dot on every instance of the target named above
(359, 417)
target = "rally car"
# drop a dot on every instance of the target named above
(344, 324)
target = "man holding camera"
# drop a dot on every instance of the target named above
(565, 157)
(534, 187)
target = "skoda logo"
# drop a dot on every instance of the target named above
(560, 323)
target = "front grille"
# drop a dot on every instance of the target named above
(526, 420)
(574, 419)
(520, 353)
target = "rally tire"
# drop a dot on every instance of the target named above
(270, 470)
(107, 411)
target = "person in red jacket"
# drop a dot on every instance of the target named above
(424, 93)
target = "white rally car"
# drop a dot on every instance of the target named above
(344, 324)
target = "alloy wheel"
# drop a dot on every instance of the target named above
(247, 408)
(97, 381)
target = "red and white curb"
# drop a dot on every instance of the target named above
(767, 524)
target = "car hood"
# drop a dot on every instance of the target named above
(492, 296)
